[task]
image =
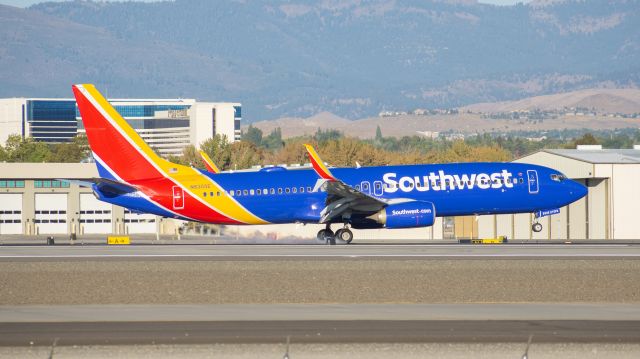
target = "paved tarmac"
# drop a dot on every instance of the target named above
(395, 323)
(326, 331)
(189, 294)
(256, 252)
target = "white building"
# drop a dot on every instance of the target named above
(167, 125)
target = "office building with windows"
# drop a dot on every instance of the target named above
(167, 125)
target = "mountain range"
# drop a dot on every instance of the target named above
(297, 58)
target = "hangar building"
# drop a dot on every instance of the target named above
(34, 201)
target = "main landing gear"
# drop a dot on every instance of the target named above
(327, 235)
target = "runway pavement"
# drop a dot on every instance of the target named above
(397, 323)
(379, 252)
(190, 294)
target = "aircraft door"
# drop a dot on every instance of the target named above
(178, 197)
(532, 177)
(377, 188)
(365, 187)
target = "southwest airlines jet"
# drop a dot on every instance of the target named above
(134, 177)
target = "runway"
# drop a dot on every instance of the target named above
(202, 294)
(395, 323)
(259, 252)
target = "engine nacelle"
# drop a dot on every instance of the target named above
(406, 215)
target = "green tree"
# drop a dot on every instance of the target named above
(26, 150)
(70, 152)
(244, 155)
(586, 139)
(274, 140)
(219, 150)
(378, 134)
(253, 135)
(322, 136)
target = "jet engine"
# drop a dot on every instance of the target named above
(406, 215)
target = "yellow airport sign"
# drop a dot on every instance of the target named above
(118, 240)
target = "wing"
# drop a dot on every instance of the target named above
(342, 199)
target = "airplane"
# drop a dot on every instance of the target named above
(131, 175)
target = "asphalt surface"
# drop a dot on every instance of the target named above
(20, 334)
(333, 350)
(191, 294)
(271, 252)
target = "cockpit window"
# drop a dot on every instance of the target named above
(558, 177)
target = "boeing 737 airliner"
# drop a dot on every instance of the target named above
(133, 176)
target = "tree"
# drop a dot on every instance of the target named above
(586, 139)
(253, 135)
(70, 152)
(219, 150)
(378, 134)
(26, 150)
(274, 140)
(244, 155)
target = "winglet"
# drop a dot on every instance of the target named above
(318, 165)
(211, 167)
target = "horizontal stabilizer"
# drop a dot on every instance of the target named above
(104, 185)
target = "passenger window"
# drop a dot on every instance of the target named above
(272, 191)
(294, 190)
(218, 194)
(259, 192)
(252, 192)
(245, 192)
(231, 192)
(204, 194)
(357, 187)
(287, 190)
(378, 186)
(309, 189)
(301, 189)
(521, 180)
(279, 190)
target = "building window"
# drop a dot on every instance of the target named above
(11, 184)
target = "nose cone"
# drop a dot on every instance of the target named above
(577, 191)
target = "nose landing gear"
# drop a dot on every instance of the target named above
(536, 227)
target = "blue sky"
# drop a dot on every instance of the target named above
(25, 3)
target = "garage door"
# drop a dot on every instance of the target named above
(51, 213)
(139, 223)
(95, 216)
(11, 213)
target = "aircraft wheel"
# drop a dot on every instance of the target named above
(345, 235)
(323, 234)
(536, 227)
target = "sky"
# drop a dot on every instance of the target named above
(25, 3)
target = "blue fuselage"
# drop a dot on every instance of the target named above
(285, 196)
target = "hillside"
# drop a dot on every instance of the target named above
(302, 57)
(605, 101)
(601, 100)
